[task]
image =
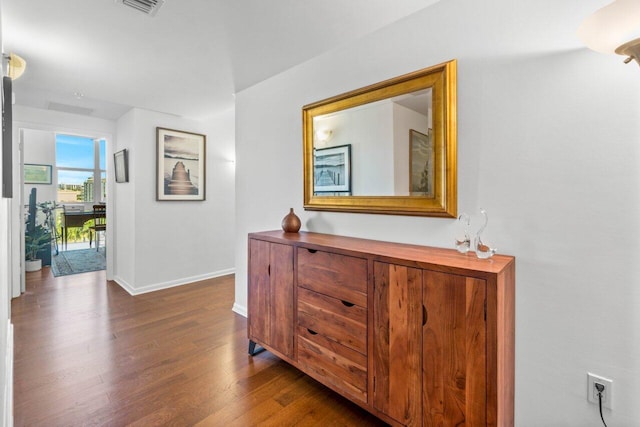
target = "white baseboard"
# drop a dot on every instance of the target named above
(240, 309)
(8, 387)
(124, 284)
(170, 284)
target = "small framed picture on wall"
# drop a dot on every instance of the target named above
(38, 174)
(121, 161)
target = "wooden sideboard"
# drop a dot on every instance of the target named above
(416, 335)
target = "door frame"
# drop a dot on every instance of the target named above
(17, 223)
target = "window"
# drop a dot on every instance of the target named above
(80, 164)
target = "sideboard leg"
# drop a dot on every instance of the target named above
(252, 349)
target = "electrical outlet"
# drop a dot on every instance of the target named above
(592, 391)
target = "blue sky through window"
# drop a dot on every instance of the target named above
(77, 152)
(74, 152)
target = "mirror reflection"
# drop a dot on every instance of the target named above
(383, 148)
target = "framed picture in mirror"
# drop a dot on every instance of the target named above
(332, 170)
(421, 166)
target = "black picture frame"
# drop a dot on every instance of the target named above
(332, 169)
(121, 163)
(7, 138)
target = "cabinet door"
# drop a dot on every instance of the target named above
(397, 338)
(271, 295)
(259, 320)
(281, 294)
(454, 350)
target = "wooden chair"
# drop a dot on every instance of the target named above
(99, 223)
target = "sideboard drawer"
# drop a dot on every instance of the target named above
(334, 319)
(339, 276)
(341, 368)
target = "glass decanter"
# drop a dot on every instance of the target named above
(463, 240)
(483, 251)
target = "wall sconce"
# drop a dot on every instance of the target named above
(323, 135)
(614, 29)
(15, 66)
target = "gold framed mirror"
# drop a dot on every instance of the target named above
(388, 148)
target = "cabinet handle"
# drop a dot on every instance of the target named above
(347, 303)
(313, 251)
(424, 315)
(312, 332)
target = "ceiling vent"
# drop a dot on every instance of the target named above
(148, 7)
(66, 108)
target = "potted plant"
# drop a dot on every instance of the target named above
(35, 239)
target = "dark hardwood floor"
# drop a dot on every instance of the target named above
(87, 353)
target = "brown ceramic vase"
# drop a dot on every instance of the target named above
(291, 222)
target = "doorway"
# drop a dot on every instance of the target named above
(73, 178)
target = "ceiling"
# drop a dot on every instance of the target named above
(188, 60)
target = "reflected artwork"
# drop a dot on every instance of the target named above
(332, 170)
(421, 156)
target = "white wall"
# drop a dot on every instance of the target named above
(163, 244)
(5, 307)
(6, 335)
(40, 148)
(124, 218)
(548, 143)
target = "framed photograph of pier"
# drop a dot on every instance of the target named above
(332, 170)
(181, 165)
(38, 174)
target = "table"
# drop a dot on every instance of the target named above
(73, 219)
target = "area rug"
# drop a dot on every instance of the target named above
(80, 261)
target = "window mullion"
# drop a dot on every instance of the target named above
(97, 179)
